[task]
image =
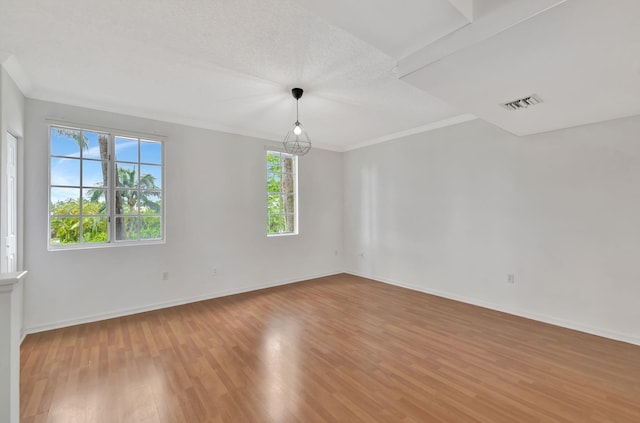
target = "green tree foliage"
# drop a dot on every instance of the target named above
(66, 230)
(137, 194)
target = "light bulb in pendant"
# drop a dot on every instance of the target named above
(297, 140)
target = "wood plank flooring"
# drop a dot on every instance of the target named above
(335, 349)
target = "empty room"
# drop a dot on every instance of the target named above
(278, 211)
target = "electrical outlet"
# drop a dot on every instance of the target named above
(165, 276)
(511, 278)
(214, 272)
(335, 253)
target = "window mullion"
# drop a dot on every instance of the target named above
(111, 184)
(81, 199)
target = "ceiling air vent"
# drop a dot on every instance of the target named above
(522, 103)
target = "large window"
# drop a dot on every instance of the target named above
(282, 194)
(105, 188)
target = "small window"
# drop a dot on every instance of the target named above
(282, 194)
(104, 188)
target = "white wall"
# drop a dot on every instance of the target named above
(216, 217)
(453, 211)
(11, 120)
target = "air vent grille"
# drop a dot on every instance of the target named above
(522, 103)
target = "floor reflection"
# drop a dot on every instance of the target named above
(281, 368)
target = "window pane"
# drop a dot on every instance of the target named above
(276, 224)
(288, 183)
(150, 228)
(65, 201)
(273, 162)
(287, 164)
(289, 204)
(94, 173)
(150, 176)
(94, 229)
(275, 204)
(150, 152)
(274, 182)
(150, 202)
(94, 201)
(65, 230)
(127, 175)
(65, 142)
(289, 223)
(126, 228)
(127, 201)
(126, 149)
(95, 143)
(65, 171)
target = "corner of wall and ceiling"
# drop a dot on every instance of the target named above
(12, 66)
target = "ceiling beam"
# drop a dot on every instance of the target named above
(486, 26)
(465, 7)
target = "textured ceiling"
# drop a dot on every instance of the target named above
(398, 27)
(226, 64)
(372, 70)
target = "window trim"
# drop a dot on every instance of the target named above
(110, 190)
(296, 212)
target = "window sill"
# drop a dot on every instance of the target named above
(282, 235)
(87, 246)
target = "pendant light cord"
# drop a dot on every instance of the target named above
(297, 141)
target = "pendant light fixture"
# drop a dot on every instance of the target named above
(297, 140)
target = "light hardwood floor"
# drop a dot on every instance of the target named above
(335, 349)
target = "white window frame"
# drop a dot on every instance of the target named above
(110, 189)
(296, 213)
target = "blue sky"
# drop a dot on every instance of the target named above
(66, 170)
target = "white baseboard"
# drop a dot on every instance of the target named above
(150, 307)
(529, 315)
(521, 313)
